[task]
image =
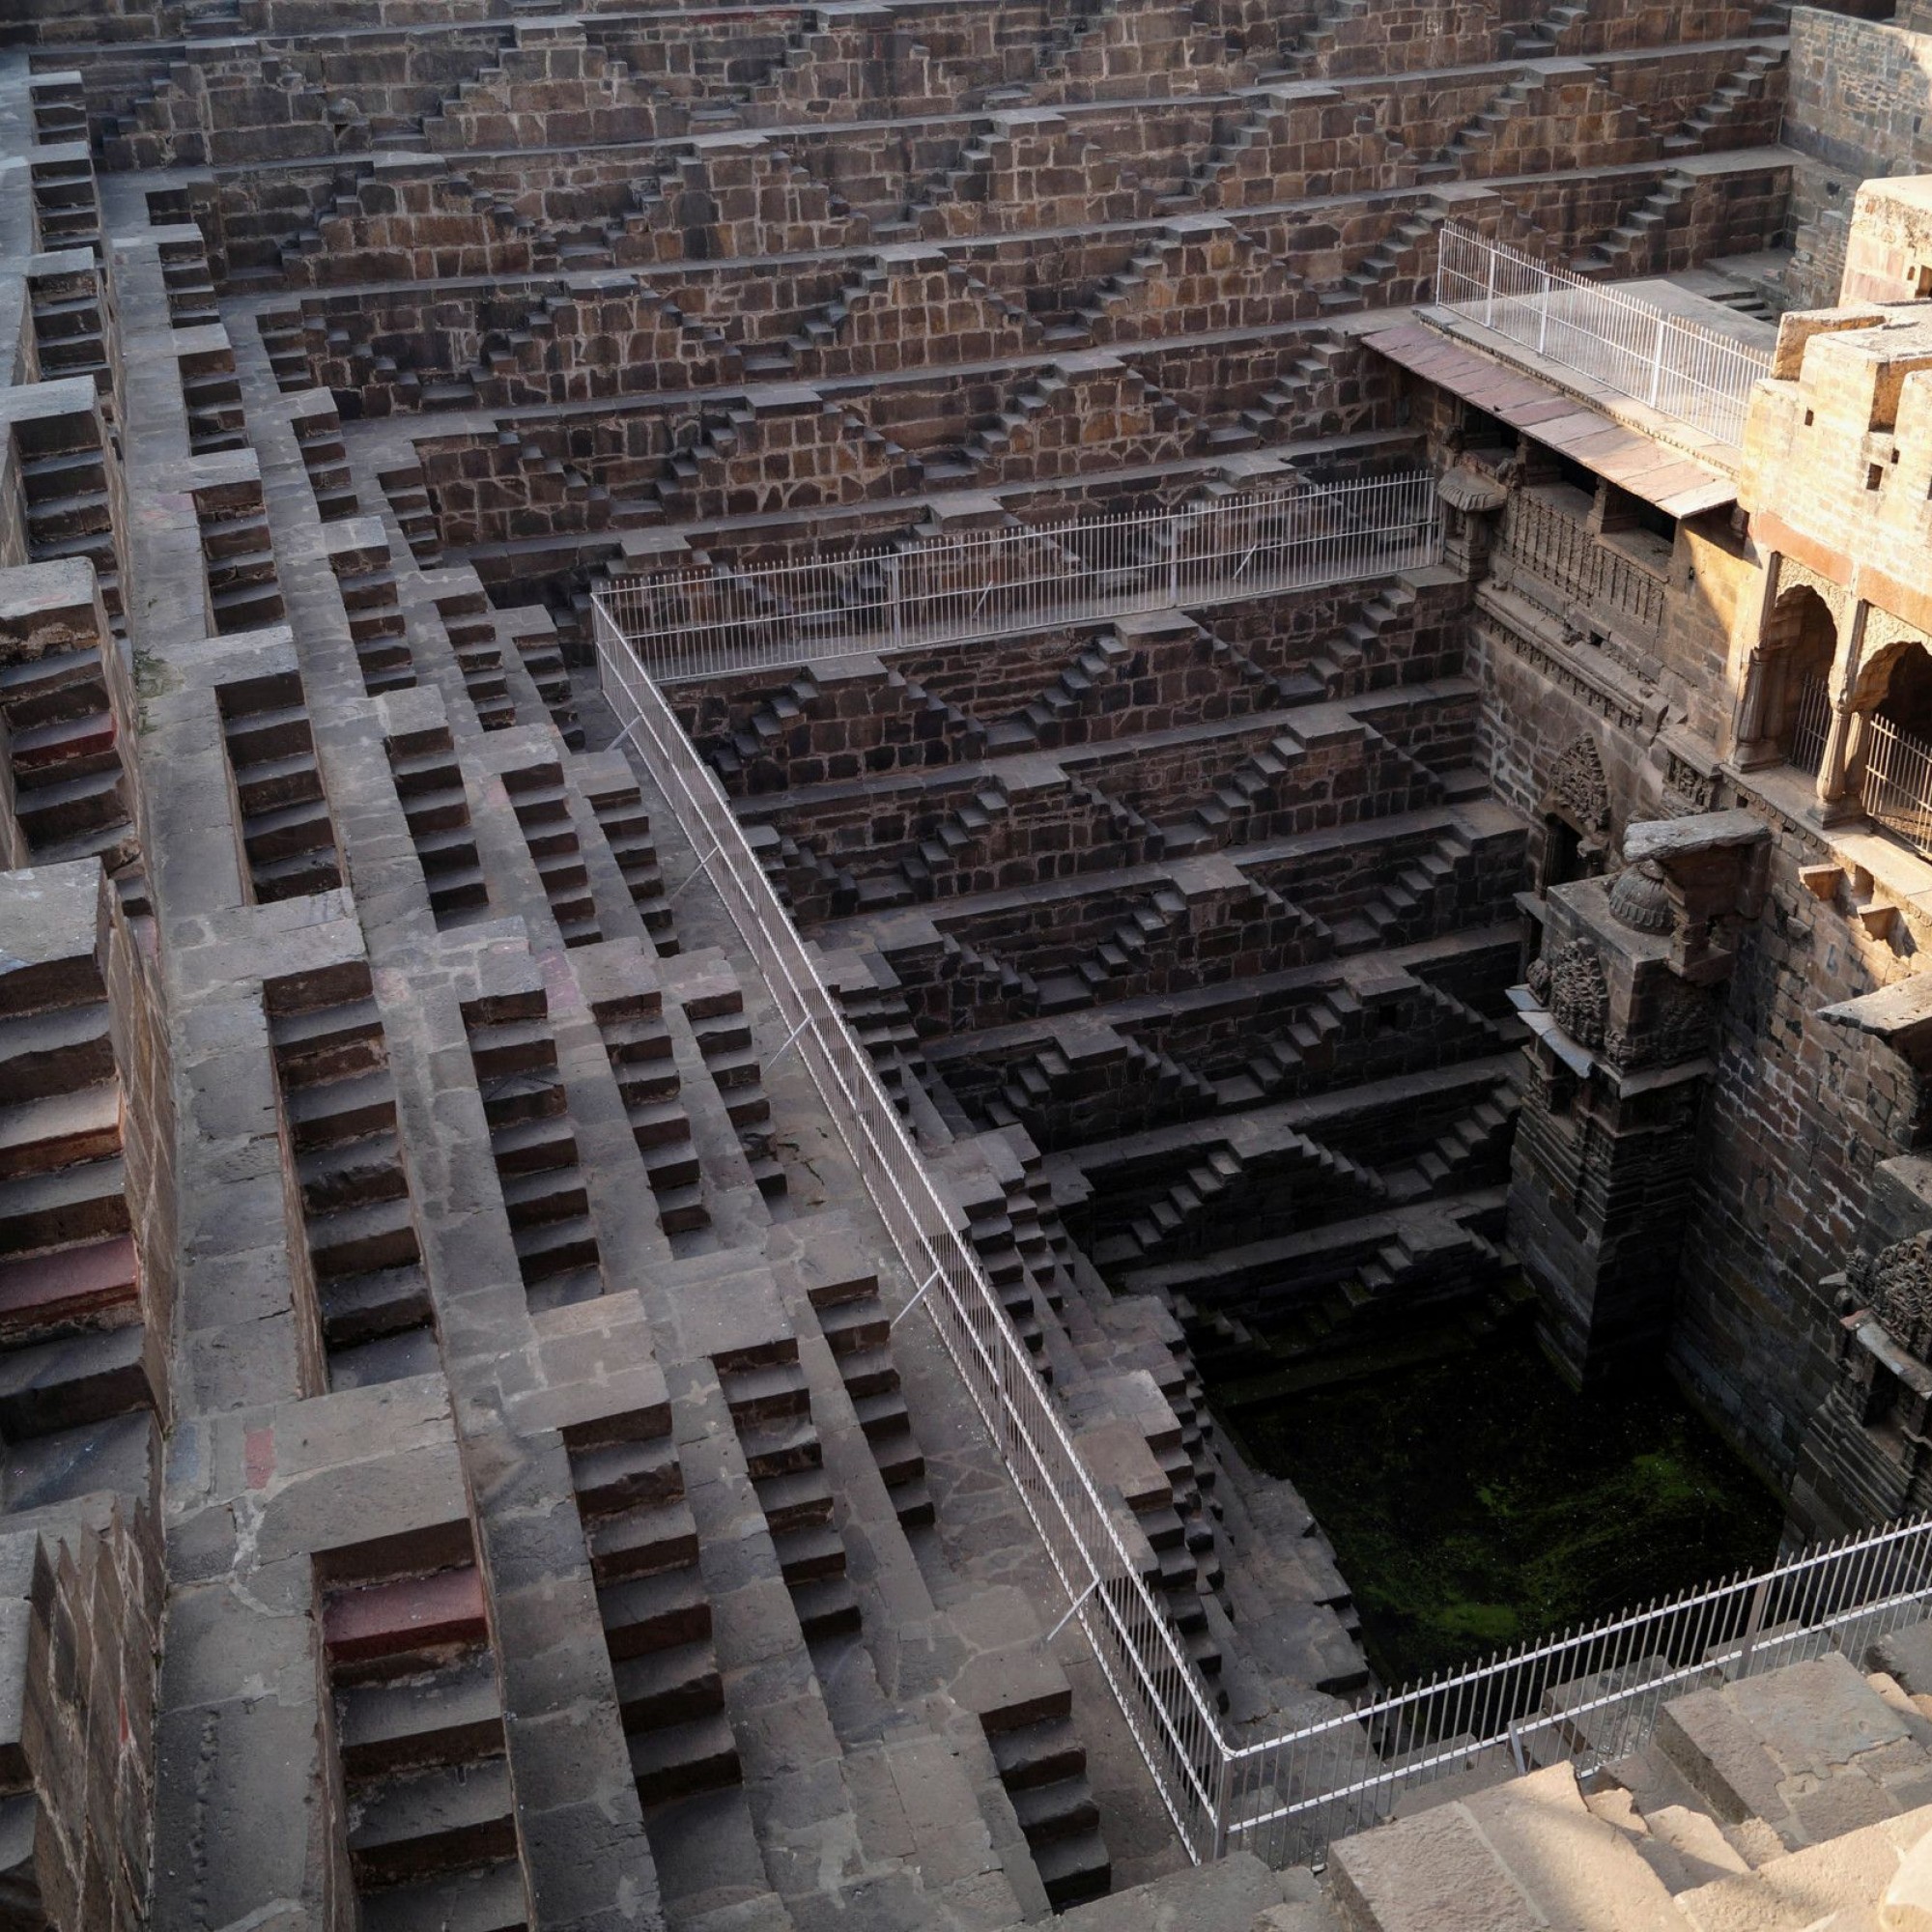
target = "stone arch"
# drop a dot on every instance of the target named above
(1796, 651)
(1575, 815)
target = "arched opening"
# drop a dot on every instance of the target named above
(1562, 854)
(1907, 703)
(1890, 750)
(1799, 644)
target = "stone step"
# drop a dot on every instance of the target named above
(56, 1130)
(676, 1760)
(641, 1540)
(72, 1205)
(435, 1820)
(455, 1716)
(487, 1900)
(653, 1613)
(671, 1686)
(73, 1381)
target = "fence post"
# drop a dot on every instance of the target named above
(1542, 317)
(1656, 364)
(1489, 301)
(1223, 1793)
(895, 590)
(1754, 1623)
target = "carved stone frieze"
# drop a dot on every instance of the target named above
(1896, 1285)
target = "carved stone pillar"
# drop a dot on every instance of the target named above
(1622, 1006)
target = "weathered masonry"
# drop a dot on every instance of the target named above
(1435, 834)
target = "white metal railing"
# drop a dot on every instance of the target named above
(1137, 1648)
(1893, 778)
(1589, 1696)
(1681, 368)
(985, 584)
(1896, 780)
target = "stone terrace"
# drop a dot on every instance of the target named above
(462, 1469)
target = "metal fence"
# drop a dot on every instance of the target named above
(984, 583)
(1566, 555)
(1895, 768)
(1681, 368)
(1589, 1696)
(1137, 1647)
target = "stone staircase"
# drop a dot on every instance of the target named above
(532, 1143)
(471, 626)
(1716, 124)
(245, 591)
(68, 311)
(65, 201)
(67, 486)
(73, 1340)
(1545, 39)
(60, 667)
(1634, 246)
(770, 1402)
(339, 1101)
(1462, 157)
(655, 1608)
(541, 802)
(708, 994)
(318, 428)
(358, 554)
(436, 805)
(431, 1827)
(288, 833)
(628, 1007)
(853, 1320)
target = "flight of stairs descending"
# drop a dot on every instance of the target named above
(407, 495)
(238, 550)
(72, 1344)
(770, 1401)
(60, 676)
(628, 1007)
(436, 806)
(358, 553)
(616, 800)
(853, 1320)
(318, 428)
(67, 301)
(64, 460)
(339, 1100)
(1546, 38)
(1633, 247)
(470, 625)
(418, 1723)
(288, 833)
(532, 1142)
(541, 802)
(655, 1608)
(1480, 135)
(712, 1004)
(1707, 128)
(532, 632)
(1042, 1764)
(65, 201)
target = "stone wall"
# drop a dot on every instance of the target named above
(1861, 104)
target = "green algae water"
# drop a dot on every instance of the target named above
(1477, 1501)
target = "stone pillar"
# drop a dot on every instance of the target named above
(1621, 1007)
